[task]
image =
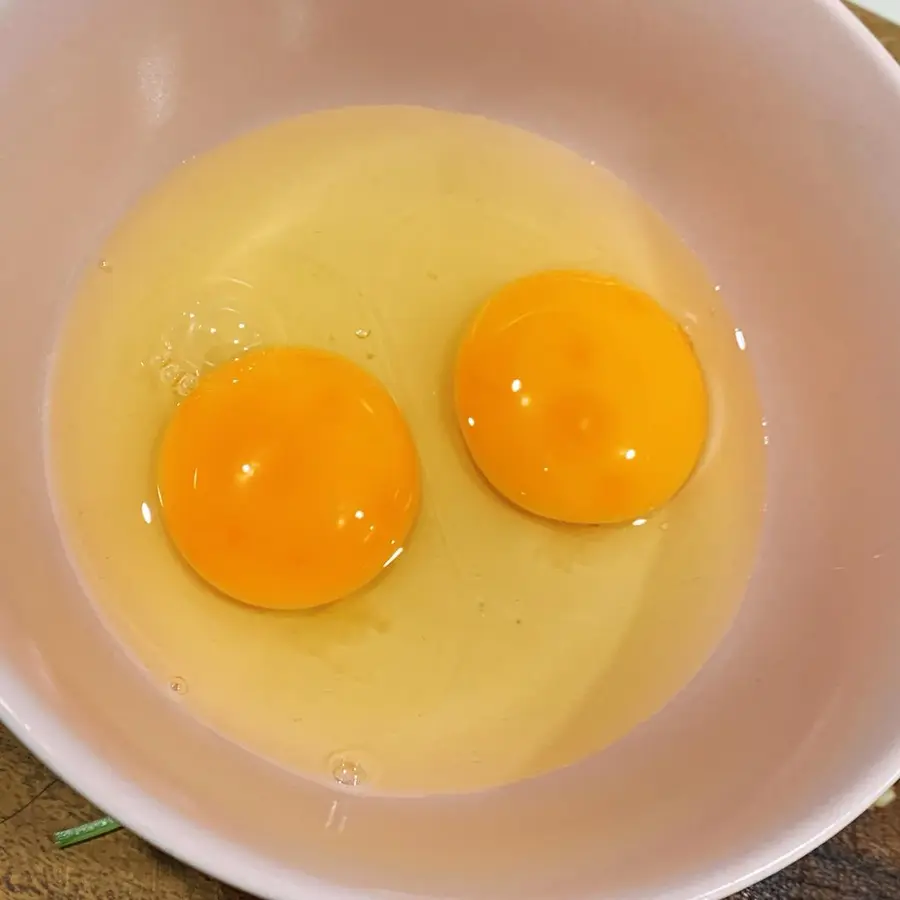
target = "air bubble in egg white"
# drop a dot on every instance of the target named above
(169, 373)
(186, 384)
(348, 773)
(349, 769)
(225, 320)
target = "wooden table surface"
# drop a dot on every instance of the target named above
(862, 863)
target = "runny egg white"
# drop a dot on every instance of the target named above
(406, 448)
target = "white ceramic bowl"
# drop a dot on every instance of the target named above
(769, 134)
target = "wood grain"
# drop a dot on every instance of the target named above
(862, 863)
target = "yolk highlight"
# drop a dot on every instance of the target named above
(580, 399)
(288, 478)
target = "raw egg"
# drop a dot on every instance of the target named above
(580, 398)
(288, 478)
(494, 648)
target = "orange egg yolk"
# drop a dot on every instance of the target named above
(580, 398)
(288, 478)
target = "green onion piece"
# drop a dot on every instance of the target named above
(86, 832)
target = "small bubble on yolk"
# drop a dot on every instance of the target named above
(288, 478)
(580, 399)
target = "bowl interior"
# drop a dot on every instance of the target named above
(767, 133)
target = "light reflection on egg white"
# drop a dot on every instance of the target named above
(392, 557)
(639, 522)
(146, 514)
(739, 339)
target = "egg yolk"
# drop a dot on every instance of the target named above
(579, 398)
(288, 478)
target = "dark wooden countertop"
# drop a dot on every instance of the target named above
(862, 863)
